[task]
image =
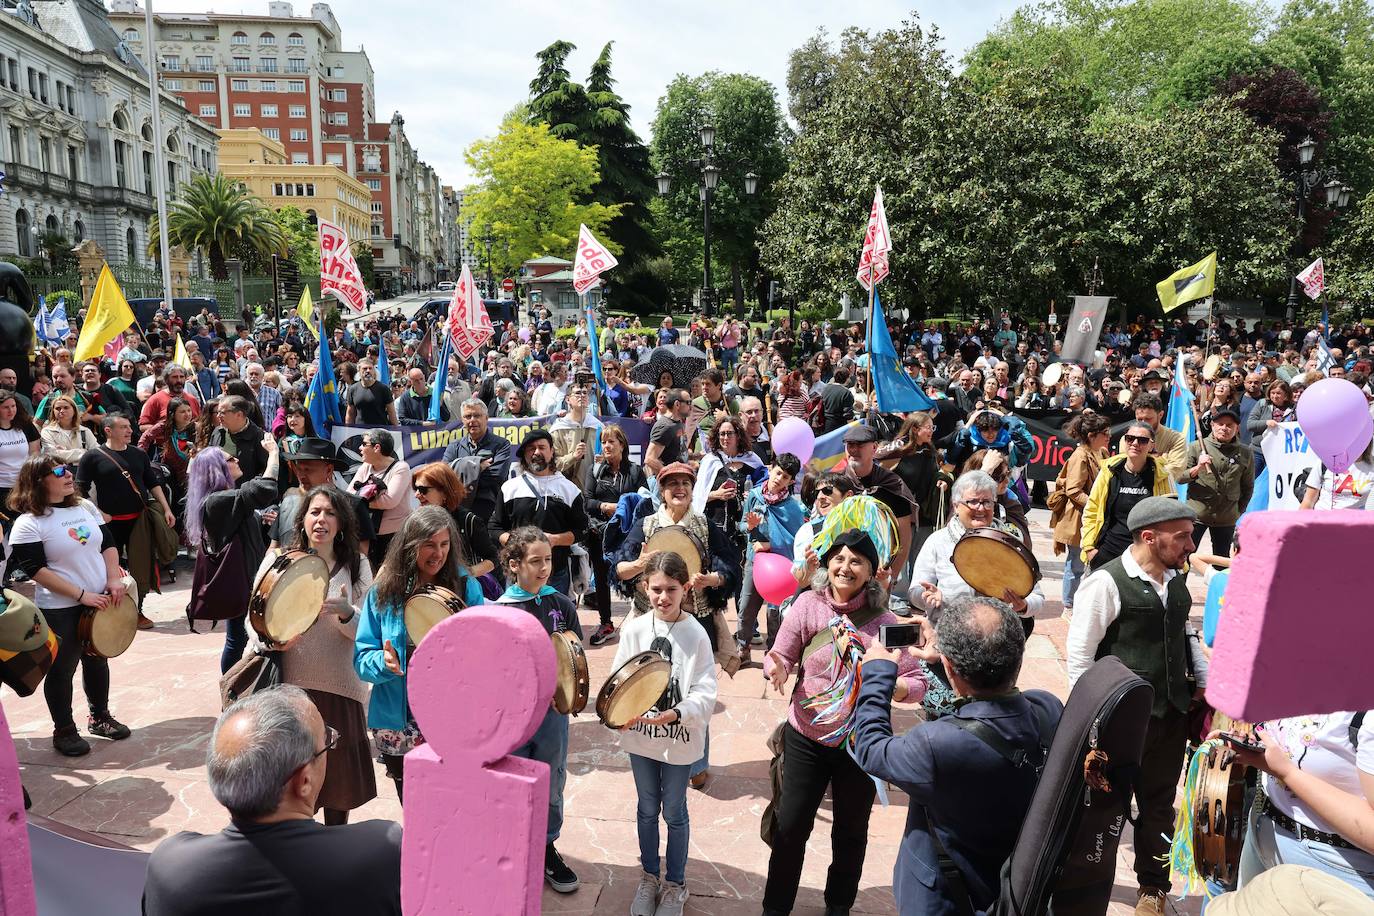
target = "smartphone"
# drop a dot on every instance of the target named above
(1240, 742)
(901, 635)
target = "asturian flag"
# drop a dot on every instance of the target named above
(877, 244)
(1180, 415)
(1313, 279)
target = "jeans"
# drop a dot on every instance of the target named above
(729, 359)
(95, 671)
(550, 745)
(1160, 766)
(235, 641)
(661, 786)
(1267, 845)
(808, 768)
(1222, 537)
(704, 764)
(749, 603)
(1073, 573)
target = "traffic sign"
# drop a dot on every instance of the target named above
(508, 285)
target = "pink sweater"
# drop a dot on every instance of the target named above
(810, 614)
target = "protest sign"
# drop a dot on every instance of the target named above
(1287, 457)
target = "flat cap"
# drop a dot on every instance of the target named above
(860, 434)
(1226, 412)
(1155, 510)
(677, 469)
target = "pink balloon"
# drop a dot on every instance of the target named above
(793, 436)
(1334, 416)
(773, 577)
(525, 334)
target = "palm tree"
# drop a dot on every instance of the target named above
(217, 214)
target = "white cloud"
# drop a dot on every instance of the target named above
(454, 70)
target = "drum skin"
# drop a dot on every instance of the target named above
(108, 633)
(677, 539)
(287, 601)
(992, 561)
(573, 685)
(426, 608)
(633, 689)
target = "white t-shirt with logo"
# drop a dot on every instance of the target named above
(1348, 489)
(72, 542)
(1320, 745)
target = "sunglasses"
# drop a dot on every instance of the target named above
(830, 490)
(421, 489)
(1137, 440)
(61, 470)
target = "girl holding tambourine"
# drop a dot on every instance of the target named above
(665, 741)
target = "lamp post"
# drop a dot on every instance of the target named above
(487, 240)
(1337, 196)
(709, 181)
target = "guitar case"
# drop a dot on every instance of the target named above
(1064, 861)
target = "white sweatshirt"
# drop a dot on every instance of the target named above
(694, 666)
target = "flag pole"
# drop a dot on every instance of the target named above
(159, 168)
(868, 346)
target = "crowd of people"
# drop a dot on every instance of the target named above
(98, 457)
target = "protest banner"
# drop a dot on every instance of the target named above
(1287, 458)
(1052, 445)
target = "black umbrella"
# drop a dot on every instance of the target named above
(684, 362)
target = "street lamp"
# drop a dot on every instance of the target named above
(710, 180)
(487, 239)
(1335, 194)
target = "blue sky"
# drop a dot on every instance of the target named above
(453, 70)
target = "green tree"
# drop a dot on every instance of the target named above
(216, 215)
(529, 192)
(362, 253)
(595, 116)
(751, 135)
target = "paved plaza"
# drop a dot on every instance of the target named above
(152, 785)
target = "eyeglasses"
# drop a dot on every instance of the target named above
(331, 741)
(421, 489)
(1137, 440)
(61, 470)
(980, 503)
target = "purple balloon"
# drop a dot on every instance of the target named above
(793, 436)
(1334, 416)
(525, 334)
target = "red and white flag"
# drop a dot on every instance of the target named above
(877, 243)
(1313, 279)
(468, 323)
(114, 348)
(339, 273)
(592, 260)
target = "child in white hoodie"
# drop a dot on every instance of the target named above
(665, 742)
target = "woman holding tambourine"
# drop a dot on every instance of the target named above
(61, 542)
(423, 552)
(320, 660)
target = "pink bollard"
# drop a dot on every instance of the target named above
(475, 819)
(16, 869)
(1295, 637)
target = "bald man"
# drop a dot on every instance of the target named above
(412, 407)
(266, 763)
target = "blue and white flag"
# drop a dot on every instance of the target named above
(40, 322)
(58, 326)
(1325, 358)
(1180, 415)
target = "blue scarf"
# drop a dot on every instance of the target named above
(514, 594)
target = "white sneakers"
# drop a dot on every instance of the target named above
(673, 900)
(647, 901)
(646, 896)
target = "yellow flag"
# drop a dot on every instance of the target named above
(1193, 282)
(108, 317)
(180, 358)
(306, 309)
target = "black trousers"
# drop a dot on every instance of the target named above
(601, 570)
(808, 768)
(395, 765)
(1223, 536)
(1161, 763)
(95, 671)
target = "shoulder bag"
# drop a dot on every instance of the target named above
(165, 540)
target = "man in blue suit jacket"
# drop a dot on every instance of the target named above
(970, 776)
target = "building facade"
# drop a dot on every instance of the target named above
(290, 77)
(76, 130)
(322, 191)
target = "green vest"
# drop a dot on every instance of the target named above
(1149, 638)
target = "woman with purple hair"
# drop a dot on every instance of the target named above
(221, 509)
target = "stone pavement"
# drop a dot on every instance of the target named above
(146, 788)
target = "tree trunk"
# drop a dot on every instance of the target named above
(738, 282)
(218, 269)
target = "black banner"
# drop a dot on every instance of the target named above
(1052, 445)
